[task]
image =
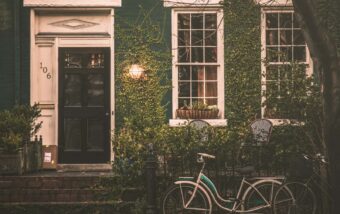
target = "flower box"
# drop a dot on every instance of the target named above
(197, 113)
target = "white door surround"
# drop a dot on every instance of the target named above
(86, 24)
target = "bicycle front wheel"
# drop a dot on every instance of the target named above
(176, 198)
(294, 198)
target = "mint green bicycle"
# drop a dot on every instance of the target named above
(190, 195)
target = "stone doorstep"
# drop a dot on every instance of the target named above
(84, 167)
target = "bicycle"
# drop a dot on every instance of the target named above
(301, 199)
(190, 195)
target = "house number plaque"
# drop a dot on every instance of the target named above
(45, 71)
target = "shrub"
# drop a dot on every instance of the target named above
(18, 124)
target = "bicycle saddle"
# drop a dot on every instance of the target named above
(247, 170)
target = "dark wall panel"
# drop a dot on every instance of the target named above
(7, 97)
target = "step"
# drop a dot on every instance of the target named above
(53, 180)
(52, 195)
(111, 207)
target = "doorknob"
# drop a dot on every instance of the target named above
(107, 114)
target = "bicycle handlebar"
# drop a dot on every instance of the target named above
(318, 158)
(205, 155)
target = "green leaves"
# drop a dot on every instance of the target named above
(17, 124)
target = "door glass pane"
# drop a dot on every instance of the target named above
(72, 90)
(95, 91)
(95, 135)
(95, 60)
(73, 60)
(72, 134)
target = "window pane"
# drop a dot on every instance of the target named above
(197, 73)
(210, 55)
(272, 20)
(72, 90)
(211, 89)
(210, 38)
(197, 54)
(183, 102)
(285, 72)
(95, 135)
(183, 21)
(211, 102)
(184, 54)
(184, 38)
(197, 38)
(184, 72)
(72, 134)
(300, 54)
(286, 54)
(95, 91)
(272, 89)
(272, 37)
(210, 21)
(197, 89)
(184, 89)
(286, 20)
(197, 21)
(211, 73)
(298, 38)
(272, 55)
(272, 72)
(285, 37)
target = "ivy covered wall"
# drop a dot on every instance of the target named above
(242, 51)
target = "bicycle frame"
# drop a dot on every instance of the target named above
(205, 185)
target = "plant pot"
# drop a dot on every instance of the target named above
(33, 156)
(12, 163)
(197, 114)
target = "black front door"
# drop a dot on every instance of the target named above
(84, 105)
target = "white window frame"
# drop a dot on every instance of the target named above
(309, 70)
(220, 64)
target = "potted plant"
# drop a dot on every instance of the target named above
(198, 110)
(16, 152)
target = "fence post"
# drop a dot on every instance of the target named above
(150, 167)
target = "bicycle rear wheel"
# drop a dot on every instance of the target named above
(261, 196)
(178, 195)
(294, 198)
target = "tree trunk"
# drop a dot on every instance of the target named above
(323, 49)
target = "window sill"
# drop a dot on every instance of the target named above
(184, 122)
